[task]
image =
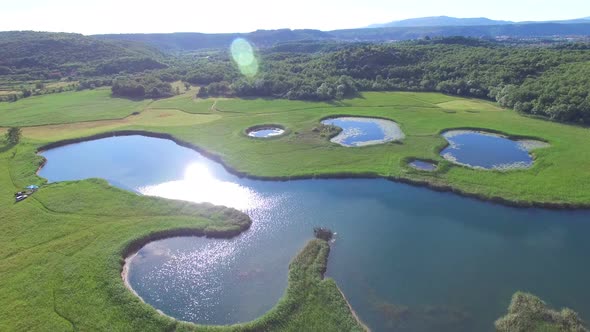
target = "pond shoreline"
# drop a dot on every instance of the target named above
(132, 248)
(390, 130)
(354, 314)
(343, 175)
(516, 161)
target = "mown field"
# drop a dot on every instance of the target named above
(61, 249)
(67, 107)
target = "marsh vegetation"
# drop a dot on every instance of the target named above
(91, 238)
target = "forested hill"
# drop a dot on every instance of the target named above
(516, 31)
(189, 41)
(62, 54)
(545, 80)
(264, 38)
(552, 82)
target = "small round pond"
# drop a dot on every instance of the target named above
(423, 165)
(265, 131)
(484, 150)
(407, 258)
(361, 131)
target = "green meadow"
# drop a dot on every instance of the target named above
(62, 252)
(68, 107)
(558, 176)
(62, 257)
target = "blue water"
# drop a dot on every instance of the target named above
(423, 165)
(364, 131)
(266, 132)
(484, 150)
(407, 258)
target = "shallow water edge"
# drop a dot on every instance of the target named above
(133, 247)
(133, 250)
(489, 150)
(343, 175)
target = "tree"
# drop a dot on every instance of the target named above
(5, 70)
(13, 135)
(325, 92)
(323, 233)
(202, 92)
(340, 91)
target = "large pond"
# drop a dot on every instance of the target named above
(360, 131)
(478, 149)
(407, 258)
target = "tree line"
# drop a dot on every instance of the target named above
(548, 81)
(551, 81)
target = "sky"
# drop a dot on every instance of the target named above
(218, 16)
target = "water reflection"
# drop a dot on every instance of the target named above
(437, 261)
(423, 165)
(199, 185)
(361, 131)
(266, 132)
(482, 150)
(165, 270)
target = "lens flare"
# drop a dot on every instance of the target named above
(243, 54)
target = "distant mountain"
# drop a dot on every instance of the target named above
(445, 21)
(439, 21)
(579, 20)
(516, 31)
(187, 41)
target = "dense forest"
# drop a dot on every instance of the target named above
(548, 80)
(545, 81)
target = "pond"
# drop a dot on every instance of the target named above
(360, 131)
(423, 165)
(484, 150)
(407, 258)
(265, 132)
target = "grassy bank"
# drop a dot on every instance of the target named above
(62, 249)
(311, 303)
(529, 313)
(558, 177)
(62, 252)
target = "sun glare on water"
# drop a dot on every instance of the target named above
(199, 185)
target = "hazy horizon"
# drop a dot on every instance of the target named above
(110, 16)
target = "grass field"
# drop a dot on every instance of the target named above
(68, 107)
(61, 258)
(559, 174)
